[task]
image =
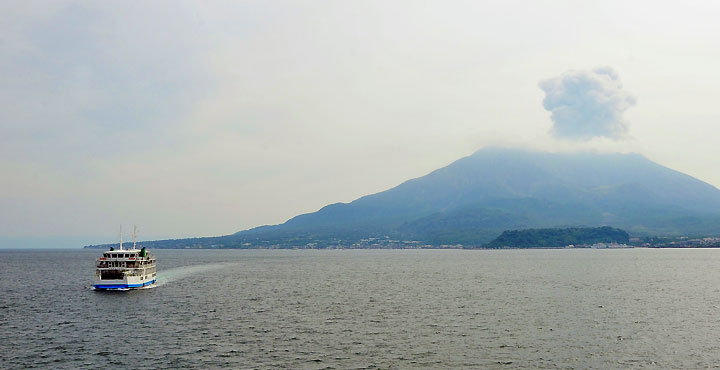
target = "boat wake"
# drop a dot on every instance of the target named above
(177, 273)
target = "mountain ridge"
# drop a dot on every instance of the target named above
(554, 177)
(475, 198)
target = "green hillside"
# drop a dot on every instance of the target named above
(546, 238)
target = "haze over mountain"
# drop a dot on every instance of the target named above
(474, 199)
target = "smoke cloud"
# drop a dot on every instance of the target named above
(587, 104)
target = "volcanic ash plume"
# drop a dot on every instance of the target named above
(587, 104)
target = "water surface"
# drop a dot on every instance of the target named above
(367, 309)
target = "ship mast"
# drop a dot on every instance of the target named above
(134, 236)
(121, 237)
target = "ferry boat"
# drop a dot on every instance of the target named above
(125, 269)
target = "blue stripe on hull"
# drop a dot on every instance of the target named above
(124, 286)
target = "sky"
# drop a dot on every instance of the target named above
(205, 118)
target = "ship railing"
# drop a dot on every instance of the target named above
(135, 266)
(148, 258)
(128, 271)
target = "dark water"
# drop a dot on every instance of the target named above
(368, 309)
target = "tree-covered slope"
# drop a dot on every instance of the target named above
(556, 237)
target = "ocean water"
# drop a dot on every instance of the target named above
(368, 309)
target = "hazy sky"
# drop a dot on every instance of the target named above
(205, 118)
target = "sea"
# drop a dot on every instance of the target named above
(367, 309)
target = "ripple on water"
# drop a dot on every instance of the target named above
(368, 309)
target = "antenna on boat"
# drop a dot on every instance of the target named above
(134, 236)
(121, 237)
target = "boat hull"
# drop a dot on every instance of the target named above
(122, 284)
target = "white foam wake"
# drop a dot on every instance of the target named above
(177, 273)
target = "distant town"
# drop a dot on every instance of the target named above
(386, 242)
(634, 242)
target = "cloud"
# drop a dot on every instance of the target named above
(587, 104)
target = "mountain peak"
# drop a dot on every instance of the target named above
(475, 198)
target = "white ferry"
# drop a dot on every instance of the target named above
(125, 269)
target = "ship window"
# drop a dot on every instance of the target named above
(111, 274)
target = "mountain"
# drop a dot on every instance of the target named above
(476, 198)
